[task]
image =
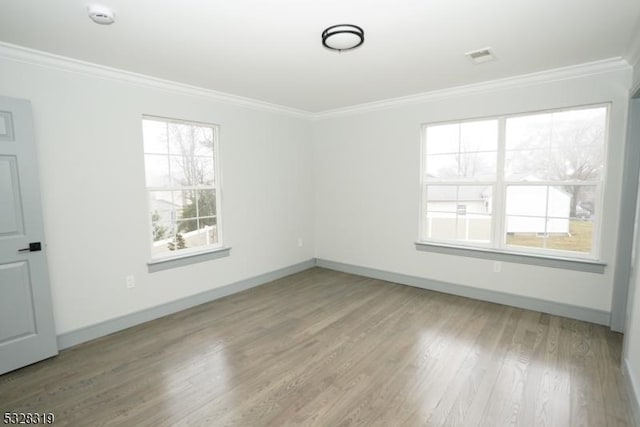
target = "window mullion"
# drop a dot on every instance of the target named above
(499, 191)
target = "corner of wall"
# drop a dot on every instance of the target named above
(633, 57)
(633, 390)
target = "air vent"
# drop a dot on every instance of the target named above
(481, 56)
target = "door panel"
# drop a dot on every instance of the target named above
(10, 209)
(6, 126)
(16, 306)
(27, 331)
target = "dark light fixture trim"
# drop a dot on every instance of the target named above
(339, 30)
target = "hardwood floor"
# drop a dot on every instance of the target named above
(331, 349)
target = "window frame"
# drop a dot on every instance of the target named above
(186, 256)
(497, 248)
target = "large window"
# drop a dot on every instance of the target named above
(527, 183)
(182, 180)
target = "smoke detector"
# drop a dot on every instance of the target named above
(481, 56)
(101, 15)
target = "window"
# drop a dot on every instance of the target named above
(527, 183)
(182, 181)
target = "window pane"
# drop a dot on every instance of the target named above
(203, 141)
(526, 225)
(529, 132)
(188, 140)
(180, 139)
(206, 203)
(443, 139)
(156, 170)
(585, 207)
(560, 203)
(161, 200)
(191, 171)
(194, 233)
(578, 239)
(466, 150)
(441, 226)
(185, 202)
(584, 127)
(178, 242)
(162, 246)
(442, 198)
(559, 228)
(458, 227)
(442, 166)
(527, 200)
(155, 137)
(186, 227)
(479, 136)
(527, 165)
(205, 164)
(182, 171)
(481, 166)
(162, 211)
(571, 145)
(460, 213)
(524, 231)
(477, 228)
(578, 162)
(205, 234)
(161, 230)
(448, 198)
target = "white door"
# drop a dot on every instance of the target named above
(27, 331)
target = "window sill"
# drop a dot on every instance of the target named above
(588, 266)
(187, 259)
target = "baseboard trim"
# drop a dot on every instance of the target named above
(633, 390)
(560, 309)
(78, 336)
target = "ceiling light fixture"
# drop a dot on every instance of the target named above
(101, 14)
(342, 37)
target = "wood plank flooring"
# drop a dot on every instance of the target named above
(322, 348)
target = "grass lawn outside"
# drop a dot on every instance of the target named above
(579, 239)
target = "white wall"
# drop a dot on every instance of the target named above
(89, 143)
(632, 331)
(367, 172)
(352, 195)
(631, 354)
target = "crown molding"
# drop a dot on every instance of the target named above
(44, 59)
(48, 60)
(523, 80)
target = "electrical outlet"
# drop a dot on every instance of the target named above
(131, 281)
(300, 242)
(497, 266)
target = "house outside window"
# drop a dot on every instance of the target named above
(529, 183)
(183, 186)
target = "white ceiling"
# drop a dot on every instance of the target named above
(271, 50)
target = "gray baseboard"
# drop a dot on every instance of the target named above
(632, 390)
(78, 336)
(560, 309)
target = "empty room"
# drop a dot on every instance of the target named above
(296, 213)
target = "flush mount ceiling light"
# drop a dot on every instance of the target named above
(101, 14)
(342, 37)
